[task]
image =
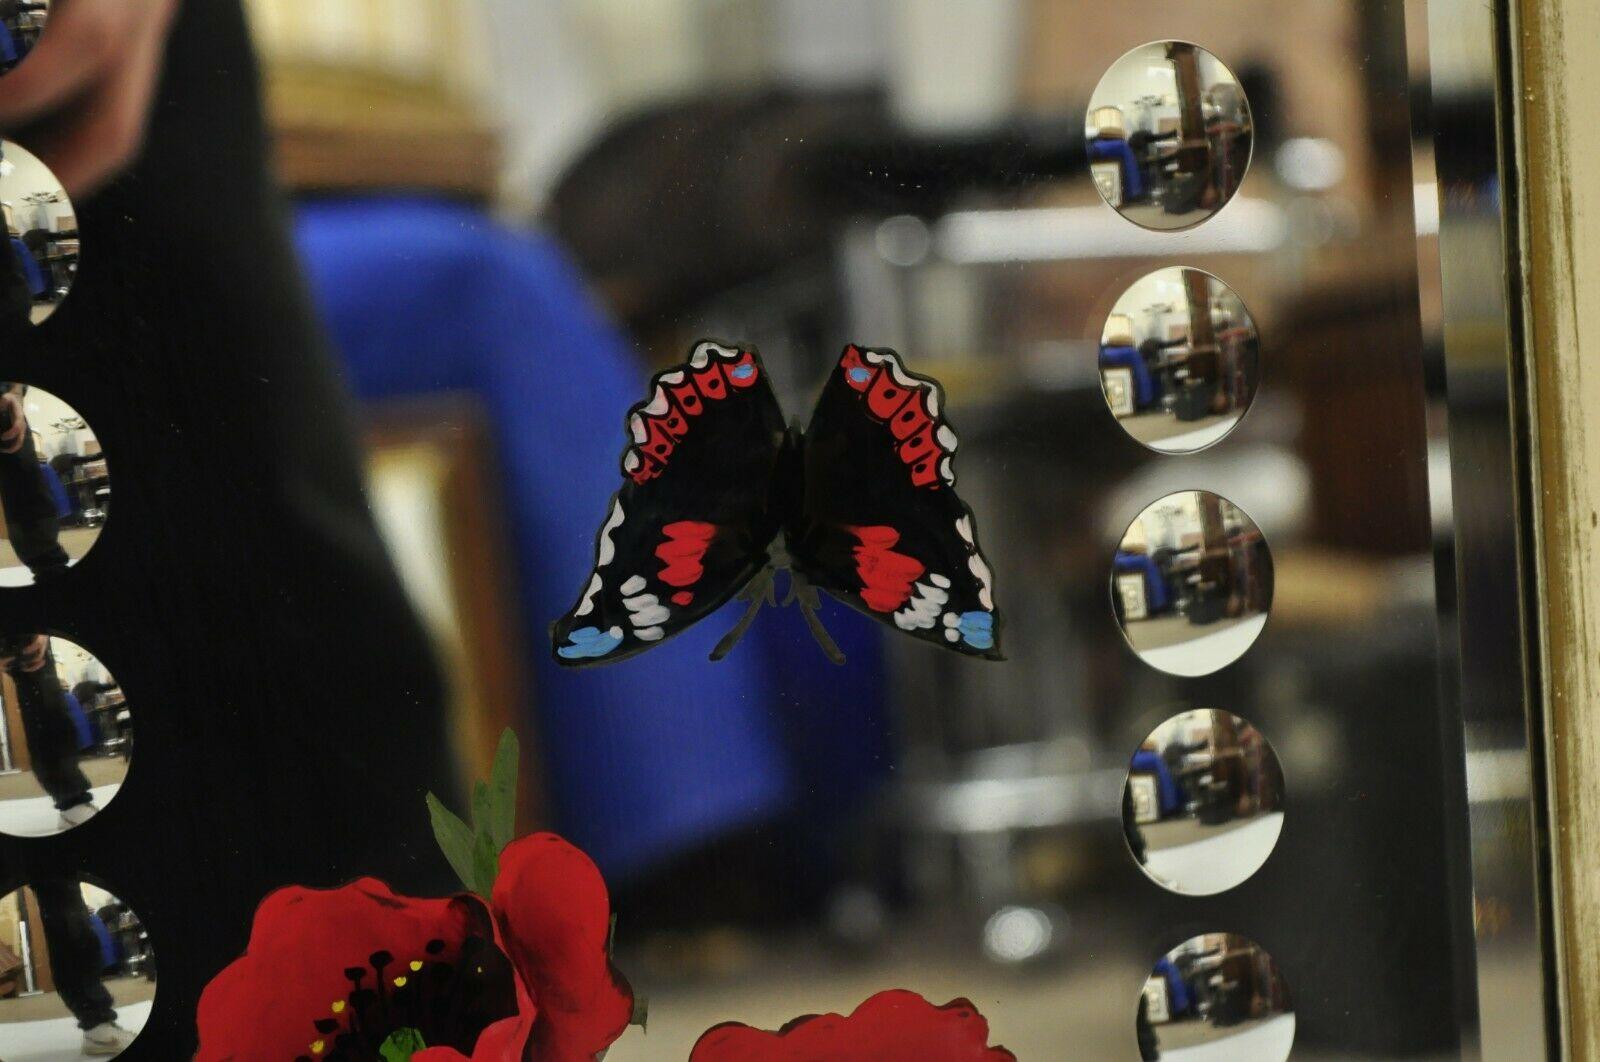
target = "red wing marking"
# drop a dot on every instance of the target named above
(910, 406)
(680, 396)
(886, 576)
(682, 551)
(683, 598)
(886, 396)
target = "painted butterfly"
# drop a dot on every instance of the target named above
(719, 495)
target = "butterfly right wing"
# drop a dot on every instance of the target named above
(693, 520)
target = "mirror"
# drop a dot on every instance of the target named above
(54, 486)
(1217, 997)
(1178, 360)
(1191, 583)
(39, 261)
(1169, 135)
(77, 973)
(21, 22)
(1203, 805)
(66, 736)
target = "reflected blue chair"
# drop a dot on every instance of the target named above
(1157, 596)
(38, 285)
(1146, 390)
(1168, 795)
(1117, 149)
(652, 756)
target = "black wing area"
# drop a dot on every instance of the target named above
(693, 520)
(880, 526)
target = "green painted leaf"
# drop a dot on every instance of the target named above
(401, 1045)
(485, 864)
(455, 839)
(480, 807)
(502, 819)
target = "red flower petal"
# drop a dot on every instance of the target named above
(892, 1026)
(263, 1006)
(553, 909)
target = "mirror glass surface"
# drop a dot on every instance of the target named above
(55, 488)
(1217, 997)
(21, 23)
(39, 261)
(1192, 583)
(66, 736)
(1203, 806)
(1169, 135)
(77, 973)
(1178, 360)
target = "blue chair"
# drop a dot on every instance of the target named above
(1146, 389)
(81, 724)
(10, 50)
(1101, 148)
(1157, 596)
(658, 754)
(37, 283)
(1179, 1000)
(1169, 795)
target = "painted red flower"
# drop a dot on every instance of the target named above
(892, 1026)
(359, 973)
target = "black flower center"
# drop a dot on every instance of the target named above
(443, 1002)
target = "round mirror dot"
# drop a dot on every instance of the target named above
(21, 23)
(1169, 135)
(83, 979)
(1191, 583)
(55, 489)
(1178, 360)
(39, 256)
(66, 736)
(1203, 804)
(1217, 997)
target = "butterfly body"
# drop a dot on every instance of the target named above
(719, 495)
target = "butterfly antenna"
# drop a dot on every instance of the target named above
(758, 593)
(809, 600)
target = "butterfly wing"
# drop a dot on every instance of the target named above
(693, 520)
(880, 525)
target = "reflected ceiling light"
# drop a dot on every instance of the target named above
(1310, 163)
(1050, 234)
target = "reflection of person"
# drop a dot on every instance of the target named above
(75, 966)
(33, 522)
(47, 723)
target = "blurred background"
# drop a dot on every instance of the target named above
(512, 211)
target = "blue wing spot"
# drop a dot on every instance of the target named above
(977, 629)
(588, 642)
(860, 375)
(742, 372)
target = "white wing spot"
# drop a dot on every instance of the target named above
(964, 529)
(650, 634)
(981, 571)
(940, 581)
(586, 606)
(922, 611)
(658, 402)
(608, 549)
(633, 585)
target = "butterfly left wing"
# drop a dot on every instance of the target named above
(880, 526)
(693, 520)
